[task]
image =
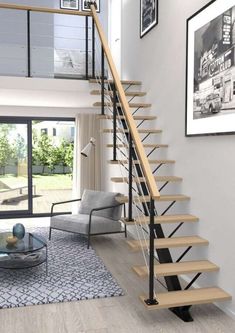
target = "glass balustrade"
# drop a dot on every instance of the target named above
(45, 45)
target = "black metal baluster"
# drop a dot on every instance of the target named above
(28, 45)
(130, 180)
(102, 81)
(152, 300)
(93, 48)
(86, 41)
(114, 123)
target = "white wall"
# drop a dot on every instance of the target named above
(115, 30)
(31, 111)
(46, 93)
(206, 164)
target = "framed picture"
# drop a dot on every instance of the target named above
(69, 4)
(86, 8)
(210, 73)
(148, 15)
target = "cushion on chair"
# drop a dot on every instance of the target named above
(79, 224)
(96, 199)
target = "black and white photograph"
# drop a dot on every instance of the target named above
(211, 70)
(86, 8)
(69, 4)
(148, 15)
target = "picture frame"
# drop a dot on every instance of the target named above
(148, 16)
(69, 4)
(86, 9)
(210, 70)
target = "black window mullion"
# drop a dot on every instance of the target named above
(30, 173)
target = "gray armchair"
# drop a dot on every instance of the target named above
(99, 213)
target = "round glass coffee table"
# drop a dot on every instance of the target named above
(28, 252)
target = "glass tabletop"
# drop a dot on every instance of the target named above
(29, 243)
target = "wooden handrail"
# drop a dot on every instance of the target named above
(45, 10)
(129, 118)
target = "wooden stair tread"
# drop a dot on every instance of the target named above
(144, 145)
(142, 179)
(127, 93)
(188, 297)
(138, 162)
(129, 82)
(141, 131)
(165, 219)
(163, 243)
(173, 197)
(123, 117)
(131, 105)
(179, 268)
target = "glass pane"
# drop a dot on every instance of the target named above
(52, 160)
(58, 46)
(13, 43)
(42, 44)
(70, 46)
(13, 167)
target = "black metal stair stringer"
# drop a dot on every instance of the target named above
(164, 255)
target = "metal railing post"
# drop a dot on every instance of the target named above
(130, 180)
(152, 300)
(86, 41)
(114, 123)
(28, 45)
(93, 48)
(102, 81)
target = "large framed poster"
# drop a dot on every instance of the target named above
(148, 15)
(210, 73)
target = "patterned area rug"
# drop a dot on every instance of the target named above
(74, 273)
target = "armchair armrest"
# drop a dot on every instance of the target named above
(103, 208)
(96, 210)
(62, 202)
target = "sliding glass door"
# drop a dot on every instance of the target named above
(36, 162)
(15, 170)
(52, 153)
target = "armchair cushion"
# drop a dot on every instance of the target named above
(96, 199)
(80, 224)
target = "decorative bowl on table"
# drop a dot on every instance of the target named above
(11, 240)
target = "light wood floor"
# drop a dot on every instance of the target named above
(112, 315)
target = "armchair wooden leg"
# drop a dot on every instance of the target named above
(50, 233)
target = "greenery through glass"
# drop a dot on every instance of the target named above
(13, 166)
(52, 164)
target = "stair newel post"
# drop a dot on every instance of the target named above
(152, 300)
(114, 123)
(102, 81)
(130, 180)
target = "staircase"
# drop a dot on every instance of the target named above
(148, 206)
(132, 149)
